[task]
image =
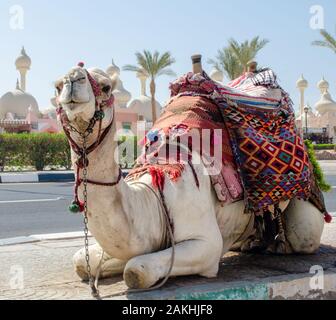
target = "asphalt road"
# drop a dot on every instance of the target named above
(28, 209)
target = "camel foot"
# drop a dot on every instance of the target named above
(134, 279)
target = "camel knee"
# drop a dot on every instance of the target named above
(80, 263)
(304, 227)
(108, 266)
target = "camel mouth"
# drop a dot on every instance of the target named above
(73, 105)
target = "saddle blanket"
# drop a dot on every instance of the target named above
(263, 159)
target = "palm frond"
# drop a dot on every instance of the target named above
(233, 58)
(132, 68)
(152, 64)
(328, 42)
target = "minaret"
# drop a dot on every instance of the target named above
(23, 64)
(143, 80)
(302, 85)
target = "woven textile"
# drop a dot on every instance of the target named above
(268, 150)
(191, 124)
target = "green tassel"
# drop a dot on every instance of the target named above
(74, 208)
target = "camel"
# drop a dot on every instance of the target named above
(127, 219)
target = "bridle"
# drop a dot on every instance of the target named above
(82, 162)
(84, 151)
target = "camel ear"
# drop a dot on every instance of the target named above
(59, 85)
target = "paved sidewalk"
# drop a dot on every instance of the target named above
(48, 274)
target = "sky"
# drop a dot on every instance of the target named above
(59, 34)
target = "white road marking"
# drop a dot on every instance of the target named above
(30, 201)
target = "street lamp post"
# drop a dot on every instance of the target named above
(306, 110)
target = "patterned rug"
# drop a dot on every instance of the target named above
(259, 137)
(191, 124)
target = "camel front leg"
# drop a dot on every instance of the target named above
(193, 257)
(110, 267)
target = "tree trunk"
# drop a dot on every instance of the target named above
(153, 90)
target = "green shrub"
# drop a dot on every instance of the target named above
(35, 150)
(318, 147)
(322, 183)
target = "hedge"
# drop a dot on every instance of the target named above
(38, 150)
(323, 184)
(43, 150)
(319, 147)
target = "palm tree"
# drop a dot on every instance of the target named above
(233, 59)
(152, 65)
(328, 42)
(227, 62)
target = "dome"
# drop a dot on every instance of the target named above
(323, 85)
(143, 107)
(121, 95)
(310, 115)
(302, 83)
(23, 61)
(217, 75)
(113, 69)
(17, 102)
(326, 104)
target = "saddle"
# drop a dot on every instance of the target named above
(262, 160)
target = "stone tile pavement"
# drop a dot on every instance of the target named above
(48, 274)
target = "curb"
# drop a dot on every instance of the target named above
(40, 177)
(36, 177)
(287, 287)
(42, 237)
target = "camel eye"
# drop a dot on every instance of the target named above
(106, 89)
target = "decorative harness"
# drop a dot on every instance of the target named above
(83, 162)
(83, 152)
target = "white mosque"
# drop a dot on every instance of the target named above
(318, 122)
(19, 110)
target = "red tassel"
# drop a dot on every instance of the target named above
(158, 178)
(328, 218)
(81, 206)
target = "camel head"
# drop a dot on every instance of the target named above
(80, 91)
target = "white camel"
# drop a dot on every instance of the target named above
(128, 222)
